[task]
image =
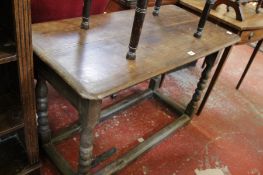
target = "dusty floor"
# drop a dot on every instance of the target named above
(226, 139)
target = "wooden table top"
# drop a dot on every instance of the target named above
(93, 62)
(252, 20)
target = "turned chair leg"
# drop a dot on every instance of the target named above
(192, 106)
(203, 18)
(157, 7)
(140, 13)
(42, 110)
(86, 14)
(89, 113)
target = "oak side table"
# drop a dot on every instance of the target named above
(86, 66)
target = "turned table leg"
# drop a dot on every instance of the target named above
(203, 18)
(86, 14)
(89, 113)
(214, 78)
(192, 105)
(249, 63)
(42, 110)
(157, 7)
(140, 13)
(155, 83)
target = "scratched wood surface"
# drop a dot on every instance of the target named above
(252, 20)
(93, 62)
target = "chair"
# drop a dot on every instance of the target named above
(236, 5)
(139, 19)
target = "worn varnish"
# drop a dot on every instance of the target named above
(93, 62)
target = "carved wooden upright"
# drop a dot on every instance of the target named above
(17, 99)
(96, 69)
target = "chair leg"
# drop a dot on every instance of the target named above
(157, 7)
(216, 74)
(89, 113)
(249, 63)
(42, 110)
(192, 105)
(203, 18)
(236, 5)
(86, 14)
(140, 13)
(260, 2)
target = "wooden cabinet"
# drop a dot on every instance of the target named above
(18, 132)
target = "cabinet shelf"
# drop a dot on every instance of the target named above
(10, 114)
(14, 157)
(7, 52)
(18, 144)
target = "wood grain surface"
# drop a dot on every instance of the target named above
(93, 62)
(22, 20)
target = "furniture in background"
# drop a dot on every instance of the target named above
(18, 130)
(86, 66)
(118, 5)
(48, 10)
(250, 30)
(237, 6)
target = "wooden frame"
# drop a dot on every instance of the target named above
(16, 52)
(86, 73)
(90, 113)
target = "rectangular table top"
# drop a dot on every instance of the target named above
(93, 62)
(252, 20)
